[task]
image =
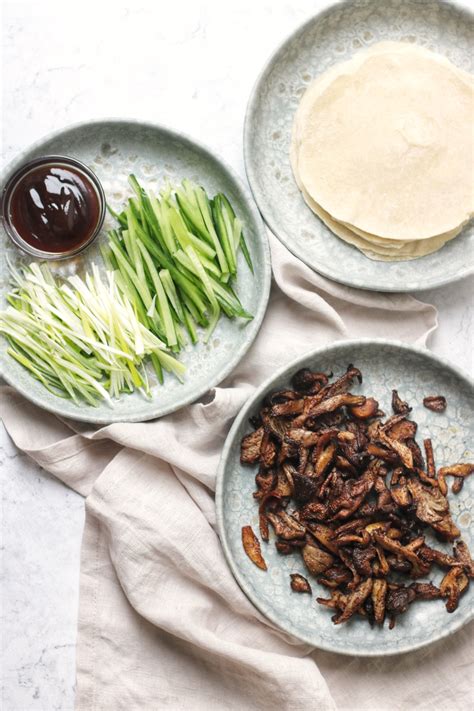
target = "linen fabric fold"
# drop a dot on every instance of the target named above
(162, 622)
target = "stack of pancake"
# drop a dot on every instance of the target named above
(383, 150)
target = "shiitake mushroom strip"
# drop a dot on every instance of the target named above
(349, 491)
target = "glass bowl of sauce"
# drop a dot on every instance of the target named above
(53, 207)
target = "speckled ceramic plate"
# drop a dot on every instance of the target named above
(385, 365)
(113, 149)
(328, 38)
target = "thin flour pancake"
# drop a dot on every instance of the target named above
(322, 82)
(388, 252)
(384, 143)
(375, 239)
(388, 249)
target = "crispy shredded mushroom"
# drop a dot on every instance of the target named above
(463, 557)
(379, 597)
(348, 489)
(398, 405)
(299, 583)
(368, 409)
(354, 601)
(250, 447)
(458, 470)
(252, 547)
(452, 586)
(458, 484)
(426, 591)
(436, 403)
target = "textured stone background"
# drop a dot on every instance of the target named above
(189, 64)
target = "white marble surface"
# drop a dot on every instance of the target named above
(186, 63)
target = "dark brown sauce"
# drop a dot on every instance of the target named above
(54, 208)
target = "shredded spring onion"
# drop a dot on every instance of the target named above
(82, 338)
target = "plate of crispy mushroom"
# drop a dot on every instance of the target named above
(344, 498)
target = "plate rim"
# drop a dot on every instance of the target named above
(240, 578)
(258, 194)
(255, 324)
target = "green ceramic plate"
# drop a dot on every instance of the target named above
(330, 37)
(385, 365)
(113, 149)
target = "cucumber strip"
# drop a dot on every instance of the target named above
(245, 252)
(197, 316)
(161, 212)
(131, 273)
(163, 306)
(212, 323)
(172, 294)
(189, 322)
(183, 258)
(205, 209)
(222, 231)
(157, 367)
(229, 300)
(180, 230)
(132, 233)
(188, 204)
(107, 256)
(149, 219)
(190, 290)
(171, 364)
(181, 336)
(201, 273)
(187, 281)
(126, 285)
(120, 217)
(200, 246)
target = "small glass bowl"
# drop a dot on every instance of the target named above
(14, 179)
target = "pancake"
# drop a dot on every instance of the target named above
(393, 105)
(388, 250)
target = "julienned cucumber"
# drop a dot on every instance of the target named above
(176, 253)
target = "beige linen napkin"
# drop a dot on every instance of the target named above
(162, 623)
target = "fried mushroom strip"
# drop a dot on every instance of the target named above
(379, 594)
(458, 470)
(314, 407)
(365, 411)
(250, 447)
(433, 508)
(454, 583)
(398, 599)
(463, 557)
(436, 403)
(347, 489)
(426, 591)
(307, 381)
(252, 547)
(299, 583)
(315, 559)
(286, 527)
(418, 566)
(354, 602)
(398, 405)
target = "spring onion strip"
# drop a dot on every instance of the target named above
(82, 338)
